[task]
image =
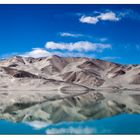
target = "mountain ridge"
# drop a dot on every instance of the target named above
(88, 72)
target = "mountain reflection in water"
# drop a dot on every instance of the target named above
(86, 113)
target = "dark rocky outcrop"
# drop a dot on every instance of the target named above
(19, 73)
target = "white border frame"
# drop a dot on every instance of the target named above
(69, 1)
(69, 137)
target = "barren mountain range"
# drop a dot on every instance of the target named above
(55, 72)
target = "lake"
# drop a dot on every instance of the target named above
(120, 124)
(89, 113)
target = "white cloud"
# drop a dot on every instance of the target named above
(37, 52)
(128, 13)
(106, 16)
(66, 34)
(71, 130)
(72, 49)
(89, 19)
(73, 54)
(110, 16)
(77, 46)
(75, 35)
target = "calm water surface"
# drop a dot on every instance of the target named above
(90, 113)
(120, 124)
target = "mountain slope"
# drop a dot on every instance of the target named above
(91, 73)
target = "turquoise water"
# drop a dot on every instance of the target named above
(120, 124)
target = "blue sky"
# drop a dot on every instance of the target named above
(109, 32)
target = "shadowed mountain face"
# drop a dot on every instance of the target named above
(91, 73)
